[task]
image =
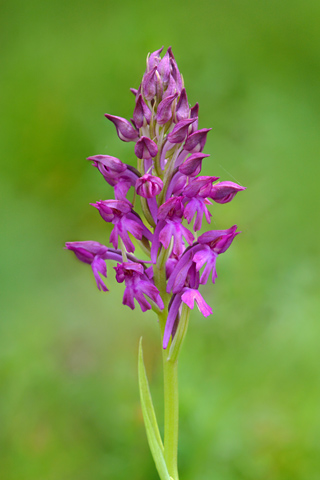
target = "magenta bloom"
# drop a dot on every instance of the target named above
(170, 226)
(95, 255)
(137, 286)
(172, 197)
(117, 174)
(120, 213)
(187, 296)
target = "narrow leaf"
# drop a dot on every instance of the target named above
(149, 416)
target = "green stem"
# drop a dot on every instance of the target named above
(171, 406)
(171, 415)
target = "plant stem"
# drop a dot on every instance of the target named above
(171, 406)
(171, 415)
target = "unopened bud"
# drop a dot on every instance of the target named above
(125, 130)
(148, 186)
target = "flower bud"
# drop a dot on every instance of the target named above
(197, 140)
(164, 69)
(179, 183)
(145, 148)
(194, 112)
(154, 59)
(171, 88)
(149, 84)
(159, 86)
(141, 112)
(219, 240)
(135, 91)
(192, 166)
(171, 208)
(199, 186)
(164, 112)
(107, 165)
(180, 130)
(125, 130)
(182, 110)
(86, 251)
(223, 192)
(148, 186)
(176, 75)
(110, 209)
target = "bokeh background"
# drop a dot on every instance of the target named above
(249, 375)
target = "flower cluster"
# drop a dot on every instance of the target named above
(169, 150)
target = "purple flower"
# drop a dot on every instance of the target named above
(213, 243)
(119, 212)
(116, 173)
(173, 198)
(94, 254)
(187, 296)
(195, 194)
(137, 286)
(197, 205)
(170, 226)
(203, 254)
(201, 186)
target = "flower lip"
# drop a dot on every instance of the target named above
(190, 296)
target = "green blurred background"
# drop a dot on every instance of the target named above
(249, 375)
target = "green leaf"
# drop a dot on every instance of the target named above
(150, 421)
